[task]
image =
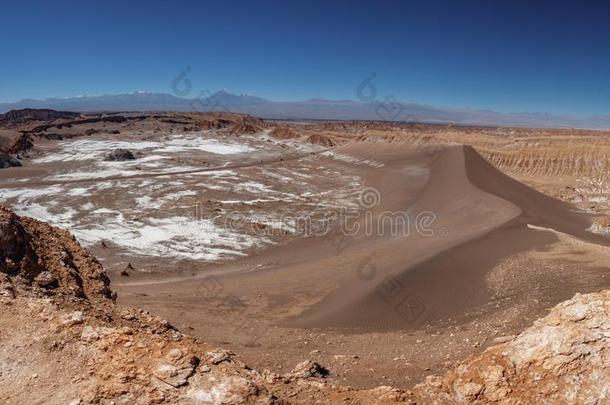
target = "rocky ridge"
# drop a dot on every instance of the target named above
(33, 114)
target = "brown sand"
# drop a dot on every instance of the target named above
(479, 208)
(380, 308)
(331, 287)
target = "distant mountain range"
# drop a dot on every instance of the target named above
(387, 109)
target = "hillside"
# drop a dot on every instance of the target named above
(61, 315)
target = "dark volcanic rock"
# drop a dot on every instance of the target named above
(119, 155)
(7, 160)
(115, 119)
(22, 144)
(32, 114)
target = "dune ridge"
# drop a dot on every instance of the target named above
(483, 214)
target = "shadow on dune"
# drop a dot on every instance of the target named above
(422, 279)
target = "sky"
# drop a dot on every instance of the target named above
(507, 56)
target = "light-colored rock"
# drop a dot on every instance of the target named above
(308, 369)
(73, 318)
(45, 279)
(227, 390)
(216, 357)
(176, 376)
(564, 358)
(89, 334)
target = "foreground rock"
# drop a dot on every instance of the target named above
(308, 369)
(64, 341)
(119, 155)
(563, 358)
(35, 254)
(7, 161)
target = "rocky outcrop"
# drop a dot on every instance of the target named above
(35, 255)
(119, 155)
(283, 132)
(214, 124)
(308, 369)
(317, 139)
(22, 143)
(12, 141)
(564, 358)
(244, 128)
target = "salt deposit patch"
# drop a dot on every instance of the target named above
(250, 202)
(181, 237)
(217, 174)
(88, 149)
(146, 202)
(599, 229)
(26, 201)
(93, 174)
(155, 216)
(354, 160)
(62, 217)
(253, 187)
(149, 162)
(88, 206)
(181, 143)
(278, 176)
(149, 203)
(79, 191)
(22, 194)
(105, 170)
(599, 199)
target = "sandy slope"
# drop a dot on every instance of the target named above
(473, 202)
(378, 283)
(377, 308)
(64, 341)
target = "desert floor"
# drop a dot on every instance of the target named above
(389, 251)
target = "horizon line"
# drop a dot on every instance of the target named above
(457, 108)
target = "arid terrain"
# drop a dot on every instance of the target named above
(393, 262)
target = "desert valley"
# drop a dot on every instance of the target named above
(224, 258)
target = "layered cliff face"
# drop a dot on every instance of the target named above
(63, 340)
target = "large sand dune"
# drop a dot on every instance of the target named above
(483, 216)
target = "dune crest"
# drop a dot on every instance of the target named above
(481, 218)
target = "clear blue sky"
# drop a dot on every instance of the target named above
(509, 56)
